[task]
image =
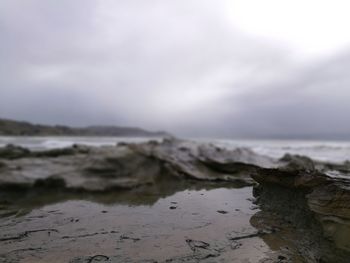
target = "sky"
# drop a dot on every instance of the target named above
(245, 68)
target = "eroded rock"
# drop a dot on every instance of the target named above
(11, 152)
(317, 204)
(128, 165)
(205, 162)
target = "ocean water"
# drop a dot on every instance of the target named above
(333, 151)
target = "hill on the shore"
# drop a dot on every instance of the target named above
(22, 128)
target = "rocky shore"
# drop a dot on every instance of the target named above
(294, 194)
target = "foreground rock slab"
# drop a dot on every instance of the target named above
(316, 203)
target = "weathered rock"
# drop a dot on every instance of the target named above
(204, 162)
(13, 152)
(296, 163)
(128, 165)
(97, 170)
(316, 203)
(331, 205)
(75, 149)
(334, 168)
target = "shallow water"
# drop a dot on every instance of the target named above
(185, 226)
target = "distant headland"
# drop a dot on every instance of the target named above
(22, 128)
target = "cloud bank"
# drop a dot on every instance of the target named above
(182, 66)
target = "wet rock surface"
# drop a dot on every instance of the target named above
(316, 203)
(171, 201)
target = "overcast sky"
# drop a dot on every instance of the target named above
(193, 67)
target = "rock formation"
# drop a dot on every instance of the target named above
(314, 202)
(127, 165)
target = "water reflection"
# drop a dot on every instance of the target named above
(181, 221)
(167, 222)
(22, 201)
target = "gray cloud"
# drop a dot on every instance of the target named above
(174, 65)
(311, 101)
